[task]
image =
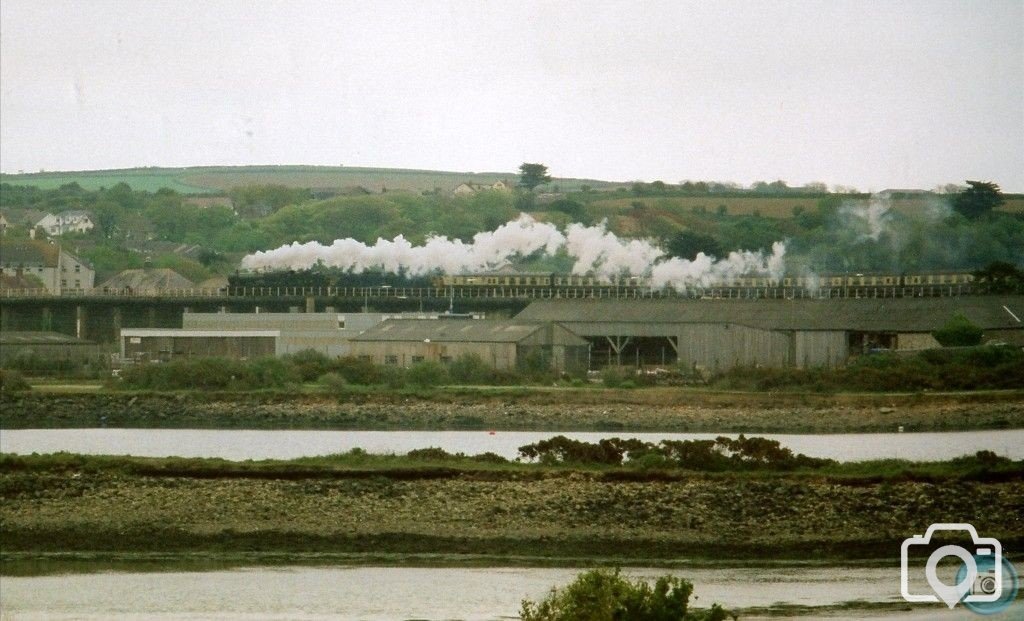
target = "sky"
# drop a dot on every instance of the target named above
(869, 94)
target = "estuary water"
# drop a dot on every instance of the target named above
(236, 444)
(393, 593)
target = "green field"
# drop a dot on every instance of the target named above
(206, 179)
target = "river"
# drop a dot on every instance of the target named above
(379, 593)
(290, 444)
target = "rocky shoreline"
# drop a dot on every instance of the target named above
(534, 518)
(535, 410)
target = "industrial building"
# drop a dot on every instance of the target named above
(250, 335)
(719, 334)
(504, 345)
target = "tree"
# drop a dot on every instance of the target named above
(1000, 277)
(979, 199)
(686, 245)
(959, 331)
(532, 175)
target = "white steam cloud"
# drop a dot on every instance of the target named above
(594, 250)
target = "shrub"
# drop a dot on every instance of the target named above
(357, 371)
(427, 374)
(310, 364)
(604, 595)
(958, 332)
(392, 376)
(613, 377)
(333, 382)
(269, 373)
(12, 381)
(470, 369)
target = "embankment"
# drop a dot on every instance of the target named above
(531, 514)
(521, 409)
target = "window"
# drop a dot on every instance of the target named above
(390, 359)
(446, 359)
(341, 324)
(78, 284)
(78, 268)
(416, 359)
(366, 358)
(63, 283)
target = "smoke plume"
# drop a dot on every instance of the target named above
(593, 250)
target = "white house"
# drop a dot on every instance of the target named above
(58, 269)
(467, 188)
(75, 221)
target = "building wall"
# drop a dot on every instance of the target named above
(722, 346)
(327, 333)
(405, 353)
(164, 348)
(916, 340)
(819, 348)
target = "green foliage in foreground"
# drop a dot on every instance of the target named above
(12, 381)
(987, 367)
(436, 463)
(336, 375)
(605, 595)
(720, 454)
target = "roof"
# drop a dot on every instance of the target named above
(75, 213)
(148, 279)
(39, 338)
(29, 252)
(862, 315)
(187, 333)
(450, 330)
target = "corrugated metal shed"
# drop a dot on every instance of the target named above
(457, 331)
(868, 315)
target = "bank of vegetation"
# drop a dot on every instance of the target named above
(758, 501)
(824, 230)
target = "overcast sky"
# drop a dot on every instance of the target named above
(871, 94)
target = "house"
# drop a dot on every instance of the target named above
(75, 221)
(503, 345)
(146, 281)
(467, 188)
(57, 269)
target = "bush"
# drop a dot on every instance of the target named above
(211, 374)
(392, 376)
(958, 332)
(12, 381)
(427, 374)
(333, 382)
(310, 364)
(357, 371)
(469, 369)
(603, 595)
(613, 377)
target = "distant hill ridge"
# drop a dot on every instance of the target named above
(212, 179)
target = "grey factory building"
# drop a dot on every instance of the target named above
(719, 334)
(504, 345)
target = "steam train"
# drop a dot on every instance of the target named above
(511, 283)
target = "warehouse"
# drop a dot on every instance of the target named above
(719, 334)
(155, 345)
(504, 345)
(250, 335)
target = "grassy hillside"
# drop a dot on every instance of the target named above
(222, 178)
